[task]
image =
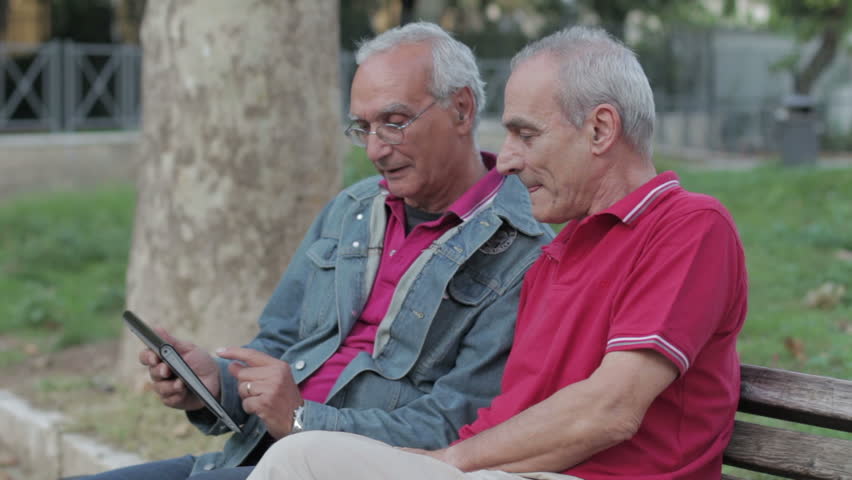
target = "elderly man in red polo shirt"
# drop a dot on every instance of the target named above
(624, 364)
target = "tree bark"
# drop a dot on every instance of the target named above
(830, 40)
(241, 149)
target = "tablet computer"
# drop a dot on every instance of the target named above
(176, 363)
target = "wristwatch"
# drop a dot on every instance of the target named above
(297, 420)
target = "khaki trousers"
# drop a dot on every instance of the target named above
(317, 455)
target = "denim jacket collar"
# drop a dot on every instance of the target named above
(514, 212)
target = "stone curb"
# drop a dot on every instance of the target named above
(75, 139)
(37, 439)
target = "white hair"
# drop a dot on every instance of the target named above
(594, 69)
(453, 64)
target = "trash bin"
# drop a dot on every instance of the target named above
(798, 142)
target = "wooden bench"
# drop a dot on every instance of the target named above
(800, 398)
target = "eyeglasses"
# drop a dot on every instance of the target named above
(390, 133)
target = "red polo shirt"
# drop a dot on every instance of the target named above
(662, 269)
(403, 250)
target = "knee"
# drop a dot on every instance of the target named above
(295, 457)
(297, 446)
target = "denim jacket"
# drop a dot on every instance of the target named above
(440, 350)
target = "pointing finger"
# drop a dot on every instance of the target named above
(250, 357)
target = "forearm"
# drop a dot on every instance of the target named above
(553, 435)
(574, 423)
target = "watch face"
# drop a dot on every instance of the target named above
(297, 420)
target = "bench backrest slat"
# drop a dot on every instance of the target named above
(799, 397)
(788, 453)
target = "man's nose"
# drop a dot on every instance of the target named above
(508, 160)
(377, 148)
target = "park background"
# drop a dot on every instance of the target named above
(189, 213)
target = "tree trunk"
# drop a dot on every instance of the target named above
(241, 149)
(830, 40)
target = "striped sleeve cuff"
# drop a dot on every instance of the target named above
(654, 342)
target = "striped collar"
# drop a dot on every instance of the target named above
(631, 208)
(477, 197)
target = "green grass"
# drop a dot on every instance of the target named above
(63, 259)
(795, 226)
(357, 166)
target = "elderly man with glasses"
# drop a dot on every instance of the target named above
(395, 317)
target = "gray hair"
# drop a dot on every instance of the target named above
(453, 64)
(595, 69)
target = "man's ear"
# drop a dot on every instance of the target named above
(465, 107)
(605, 124)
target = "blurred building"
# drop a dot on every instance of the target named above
(24, 21)
(88, 21)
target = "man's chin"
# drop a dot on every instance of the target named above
(398, 189)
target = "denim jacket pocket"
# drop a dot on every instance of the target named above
(468, 288)
(321, 278)
(323, 253)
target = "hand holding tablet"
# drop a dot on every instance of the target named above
(169, 354)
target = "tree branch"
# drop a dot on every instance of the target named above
(805, 79)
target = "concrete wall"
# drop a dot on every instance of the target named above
(39, 162)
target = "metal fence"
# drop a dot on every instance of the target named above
(69, 86)
(712, 92)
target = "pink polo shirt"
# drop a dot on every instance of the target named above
(403, 250)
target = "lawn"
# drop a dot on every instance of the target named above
(63, 260)
(795, 225)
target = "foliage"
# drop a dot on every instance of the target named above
(4, 15)
(613, 13)
(63, 258)
(827, 21)
(516, 21)
(355, 22)
(357, 166)
(837, 142)
(88, 21)
(805, 17)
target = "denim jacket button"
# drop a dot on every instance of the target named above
(299, 365)
(356, 244)
(360, 216)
